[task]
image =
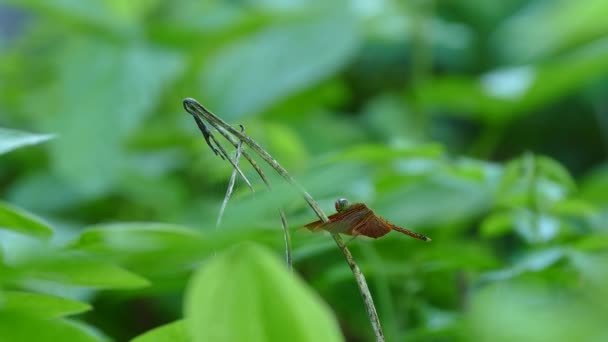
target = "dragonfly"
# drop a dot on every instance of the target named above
(358, 220)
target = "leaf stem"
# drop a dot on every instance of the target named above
(237, 157)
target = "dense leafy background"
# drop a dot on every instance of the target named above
(483, 124)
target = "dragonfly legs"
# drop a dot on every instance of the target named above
(350, 240)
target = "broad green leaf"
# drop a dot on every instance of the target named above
(438, 199)
(534, 182)
(12, 139)
(248, 288)
(593, 272)
(502, 94)
(173, 332)
(27, 189)
(149, 248)
(596, 242)
(545, 28)
(554, 171)
(134, 236)
(20, 221)
(18, 327)
(41, 305)
(535, 261)
(115, 17)
(80, 271)
(383, 153)
(595, 186)
(95, 109)
(509, 312)
(574, 207)
(497, 224)
(288, 56)
(389, 118)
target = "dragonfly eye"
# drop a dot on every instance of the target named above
(341, 204)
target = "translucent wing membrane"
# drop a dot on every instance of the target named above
(358, 219)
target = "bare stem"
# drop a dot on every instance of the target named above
(209, 137)
(287, 239)
(237, 157)
(196, 109)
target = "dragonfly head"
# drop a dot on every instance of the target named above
(341, 204)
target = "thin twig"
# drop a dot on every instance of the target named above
(237, 142)
(237, 157)
(287, 239)
(196, 109)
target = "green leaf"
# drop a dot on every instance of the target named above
(246, 294)
(596, 242)
(148, 248)
(547, 28)
(77, 270)
(503, 94)
(497, 224)
(20, 221)
(41, 305)
(574, 207)
(95, 120)
(382, 153)
(12, 139)
(115, 17)
(534, 261)
(554, 171)
(176, 331)
(289, 56)
(595, 186)
(435, 200)
(20, 327)
(507, 312)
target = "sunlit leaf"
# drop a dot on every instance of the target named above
(597, 242)
(176, 331)
(535, 261)
(542, 29)
(41, 305)
(12, 139)
(504, 94)
(249, 288)
(152, 248)
(20, 221)
(383, 153)
(80, 271)
(497, 224)
(108, 16)
(20, 327)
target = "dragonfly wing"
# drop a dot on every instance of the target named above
(373, 226)
(343, 222)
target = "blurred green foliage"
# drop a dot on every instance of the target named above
(482, 124)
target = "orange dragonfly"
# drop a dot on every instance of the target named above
(357, 219)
